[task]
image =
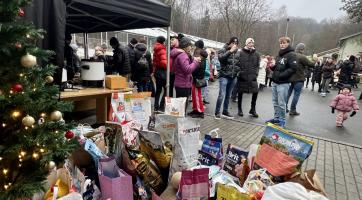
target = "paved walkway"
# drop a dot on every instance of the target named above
(339, 165)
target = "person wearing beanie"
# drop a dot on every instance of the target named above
(131, 55)
(298, 78)
(120, 62)
(346, 71)
(183, 66)
(286, 65)
(199, 44)
(198, 77)
(160, 72)
(228, 57)
(344, 103)
(248, 63)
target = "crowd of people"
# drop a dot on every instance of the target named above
(239, 70)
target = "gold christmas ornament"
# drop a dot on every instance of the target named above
(56, 116)
(51, 165)
(49, 79)
(28, 120)
(28, 61)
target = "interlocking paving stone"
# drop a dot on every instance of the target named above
(338, 165)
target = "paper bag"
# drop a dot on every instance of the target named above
(194, 184)
(114, 182)
(309, 179)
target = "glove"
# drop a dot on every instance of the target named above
(353, 113)
(333, 109)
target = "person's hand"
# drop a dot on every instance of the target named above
(198, 59)
(333, 109)
(353, 113)
(234, 48)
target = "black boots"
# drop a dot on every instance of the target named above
(253, 113)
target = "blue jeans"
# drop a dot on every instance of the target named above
(226, 85)
(144, 86)
(280, 95)
(297, 87)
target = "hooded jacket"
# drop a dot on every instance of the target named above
(346, 72)
(303, 65)
(248, 63)
(345, 102)
(121, 60)
(228, 62)
(286, 65)
(183, 68)
(140, 73)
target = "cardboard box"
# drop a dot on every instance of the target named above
(116, 82)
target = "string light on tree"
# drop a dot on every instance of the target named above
(51, 165)
(28, 61)
(15, 114)
(35, 155)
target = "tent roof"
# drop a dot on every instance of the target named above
(112, 15)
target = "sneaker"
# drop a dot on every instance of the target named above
(198, 115)
(328, 91)
(287, 110)
(217, 116)
(273, 121)
(294, 113)
(227, 115)
(323, 94)
(206, 102)
(192, 113)
(240, 113)
(234, 100)
(339, 125)
(281, 123)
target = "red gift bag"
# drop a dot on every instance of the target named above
(115, 183)
(194, 184)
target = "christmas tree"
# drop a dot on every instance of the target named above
(34, 136)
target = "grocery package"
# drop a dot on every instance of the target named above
(140, 107)
(257, 182)
(114, 182)
(175, 106)
(230, 193)
(211, 152)
(185, 153)
(226, 179)
(118, 108)
(130, 132)
(166, 126)
(234, 156)
(286, 142)
(194, 184)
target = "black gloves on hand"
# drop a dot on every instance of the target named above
(353, 113)
(333, 109)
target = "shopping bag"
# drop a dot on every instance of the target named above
(115, 183)
(284, 141)
(211, 146)
(166, 126)
(175, 106)
(226, 192)
(185, 153)
(194, 184)
(290, 190)
(279, 164)
(309, 179)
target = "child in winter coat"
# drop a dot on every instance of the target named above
(344, 103)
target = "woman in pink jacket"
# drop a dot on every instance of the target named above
(344, 103)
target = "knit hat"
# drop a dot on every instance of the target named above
(180, 36)
(203, 53)
(352, 58)
(113, 41)
(300, 47)
(234, 39)
(247, 41)
(133, 41)
(185, 42)
(160, 39)
(199, 44)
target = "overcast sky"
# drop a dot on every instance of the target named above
(317, 9)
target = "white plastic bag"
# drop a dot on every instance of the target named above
(290, 191)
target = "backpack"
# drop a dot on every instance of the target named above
(143, 62)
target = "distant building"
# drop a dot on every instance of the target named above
(350, 45)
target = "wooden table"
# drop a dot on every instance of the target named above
(102, 96)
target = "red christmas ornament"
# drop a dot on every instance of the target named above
(17, 88)
(21, 12)
(69, 135)
(18, 45)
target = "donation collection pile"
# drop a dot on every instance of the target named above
(140, 155)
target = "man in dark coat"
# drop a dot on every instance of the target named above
(297, 80)
(121, 62)
(228, 57)
(285, 66)
(131, 55)
(142, 70)
(247, 77)
(346, 70)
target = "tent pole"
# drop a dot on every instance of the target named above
(168, 62)
(85, 45)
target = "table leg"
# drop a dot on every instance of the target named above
(101, 110)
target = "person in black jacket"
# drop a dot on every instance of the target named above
(228, 57)
(327, 69)
(248, 63)
(120, 61)
(142, 68)
(317, 75)
(346, 70)
(131, 55)
(285, 66)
